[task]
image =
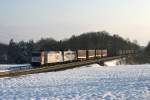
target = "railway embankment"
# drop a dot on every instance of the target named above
(56, 67)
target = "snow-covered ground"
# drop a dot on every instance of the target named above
(8, 67)
(92, 82)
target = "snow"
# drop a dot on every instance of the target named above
(8, 67)
(115, 62)
(4, 70)
(111, 63)
(92, 82)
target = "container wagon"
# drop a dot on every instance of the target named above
(53, 57)
(82, 55)
(104, 53)
(91, 54)
(70, 55)
(98, 53)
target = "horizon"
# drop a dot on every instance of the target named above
(125, 38)
(36, 19)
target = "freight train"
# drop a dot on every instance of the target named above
(55, 57)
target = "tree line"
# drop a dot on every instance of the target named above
(21, 52)
(143, 55)
(3, 52)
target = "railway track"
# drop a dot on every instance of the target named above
(55, 67)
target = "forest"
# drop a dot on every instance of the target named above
(21, 52)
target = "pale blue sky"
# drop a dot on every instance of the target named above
(33, 19)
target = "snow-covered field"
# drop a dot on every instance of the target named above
(92, 82)
(8, 67)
